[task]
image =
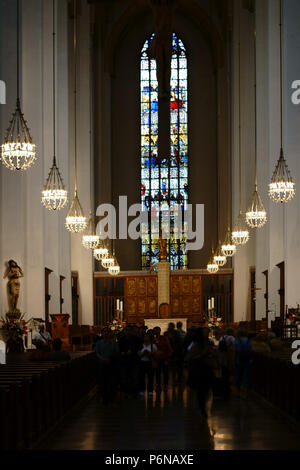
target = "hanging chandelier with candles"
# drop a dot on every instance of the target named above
(101, 252)
(90, 239)
(108, 262)
(256, 216)
(220, 259)
(240, 233)
(228, 248)
(212, 266)
(114, 270)
(282, 186)
(54, 194)
(75, 221)
(18, 152)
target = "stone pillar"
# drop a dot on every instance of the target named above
(163, 271)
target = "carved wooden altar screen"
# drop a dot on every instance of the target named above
(186, 297)
(140, 298)
(189, 294)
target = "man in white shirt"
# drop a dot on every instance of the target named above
(41, 338)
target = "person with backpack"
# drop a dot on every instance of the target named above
(243, 360)
(226, 360)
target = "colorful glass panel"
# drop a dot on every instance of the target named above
(164, 182)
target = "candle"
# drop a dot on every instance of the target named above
(121, 305)
(209, 304)
(118, 304)
(212, 303)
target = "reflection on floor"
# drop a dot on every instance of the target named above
(170, 420)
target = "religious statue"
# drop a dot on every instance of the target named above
(162, 246)
(13, 273)
(161, 45)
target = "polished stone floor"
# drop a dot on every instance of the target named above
(170, 420)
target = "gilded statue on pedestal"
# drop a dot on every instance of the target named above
(162, 246)
(13, 273)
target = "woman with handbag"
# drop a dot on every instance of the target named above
(147, 364)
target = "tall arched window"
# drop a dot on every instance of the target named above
(164, 182)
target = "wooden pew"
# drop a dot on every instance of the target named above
(35, 395)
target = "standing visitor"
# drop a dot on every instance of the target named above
(243, 361)
(226, 359)
(146, 355)
(201, 361)
(163, 355)
(107, 352)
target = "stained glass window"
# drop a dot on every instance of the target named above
(164, 182)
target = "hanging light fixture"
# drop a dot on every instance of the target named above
(282, 187)
(115, 269)
(228, 248)
(75, 220)
(108, 262)
(256, 216)
(54, 194)
(212, 266)
(220, 259)
(90, 240)
(18, 152)
(240, 233)
(101, 252)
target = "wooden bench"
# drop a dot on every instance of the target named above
(35, 395)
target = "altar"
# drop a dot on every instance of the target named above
(163, 323)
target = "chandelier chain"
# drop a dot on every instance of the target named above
(75, 89)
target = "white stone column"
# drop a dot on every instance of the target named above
(245, 257)
(163, 279)
(82, 259)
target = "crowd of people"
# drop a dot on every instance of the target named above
(138, 360)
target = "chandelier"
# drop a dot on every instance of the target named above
(54, 194)
(90, 240)
(212, 266)
(228, 248)
(108, 262)
(75, 220)
(281, 187)
(115, 269)
(219, 258)
(256, 216)
(240, 233)
(101, 252)
(18, 152)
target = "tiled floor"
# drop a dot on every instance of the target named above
(171, 421)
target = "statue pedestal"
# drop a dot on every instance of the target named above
(163, 280)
